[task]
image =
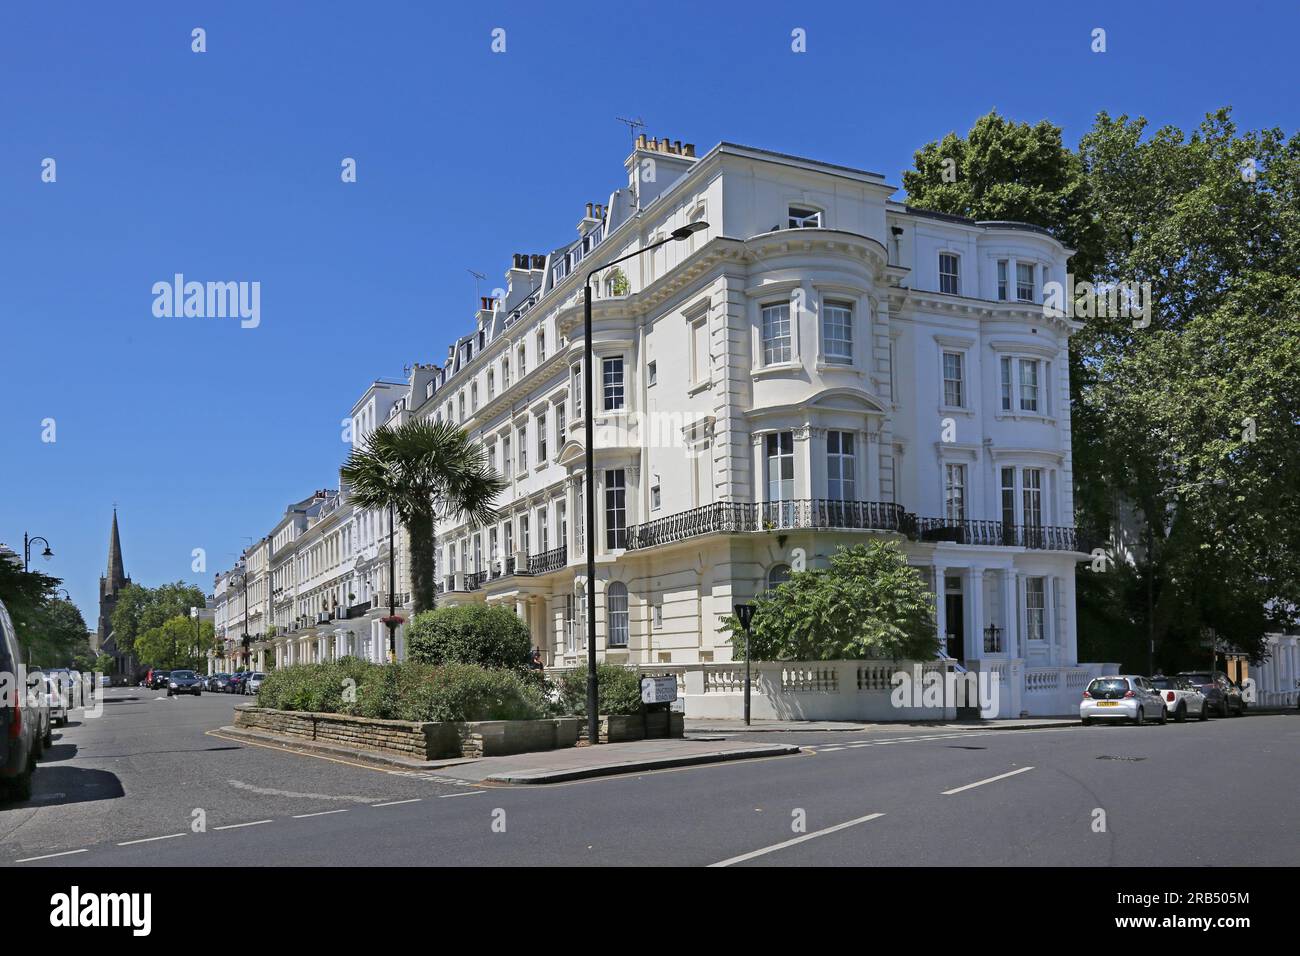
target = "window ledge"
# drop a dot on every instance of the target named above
(781, 368)
(699, 387)
(850, 368)
(1025, 417)
(956, 410)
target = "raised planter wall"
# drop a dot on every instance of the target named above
(423, 741)
(617, 729)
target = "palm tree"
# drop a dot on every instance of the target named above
(424, 471)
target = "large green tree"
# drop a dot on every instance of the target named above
(176, 643)
(50, 629)
(1184, 428)
(140, 609)
(423, 470)
(867, 603)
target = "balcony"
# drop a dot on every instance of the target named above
(998, 534)
(744, 516)
(821, 514)
(548, 561)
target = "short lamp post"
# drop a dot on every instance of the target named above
(745, 612)
(589, 423)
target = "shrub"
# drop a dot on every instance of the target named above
(619, 689)
(487, 635)
(406, 691)
(324, 688)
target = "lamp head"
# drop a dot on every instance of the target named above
(689, 230)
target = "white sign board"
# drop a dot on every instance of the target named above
(658, 690)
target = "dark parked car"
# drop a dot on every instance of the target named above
(1222, 696)
(235, 685)
(185, 682)
(217, 682)
(157, 679)
(19, 724)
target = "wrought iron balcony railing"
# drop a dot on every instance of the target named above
(741, 516)
(548, 561)
(731, 517)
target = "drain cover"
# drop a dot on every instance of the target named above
(1129, 759)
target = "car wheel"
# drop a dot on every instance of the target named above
(1139, 719)
(1164, 715)
(20, 787)
(1180, 715)
(1204, 715)
(1241, 708)
(48, 742)
(1086, 721)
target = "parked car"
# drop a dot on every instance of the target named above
(38, 705)
(235, 683)
(18, 727)
(185, 682)
(1182, 697)
(1222, 695)
(253, 682)
(216, 683)
(158, 679)
(1122, 697)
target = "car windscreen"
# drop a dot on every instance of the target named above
(1198, 678)
(1166, 683)
(182, 675)
(1109, 688)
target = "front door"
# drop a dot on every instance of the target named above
(956, 624)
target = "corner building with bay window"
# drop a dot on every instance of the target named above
(820, 366)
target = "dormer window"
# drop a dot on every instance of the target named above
(428, 389)
(804, 217)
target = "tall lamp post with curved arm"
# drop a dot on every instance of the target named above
(589, 423)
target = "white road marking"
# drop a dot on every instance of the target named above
(272, 792)
(236, 826)
(395, 803)
(48, 856)
(980, 783)
(471, 793)
(319, 813)
(169, 836)
(799, 839)
(828, 750)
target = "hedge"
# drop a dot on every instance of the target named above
(405, 691)
(619, 690)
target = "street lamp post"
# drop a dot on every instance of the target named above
(392, 621)
(589, 424)
(27, 549)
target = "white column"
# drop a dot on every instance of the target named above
(1069, 621)
(1010, 637)
(938, 573)
(873, 465)
(975, 616)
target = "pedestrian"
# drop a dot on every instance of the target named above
(535, 661)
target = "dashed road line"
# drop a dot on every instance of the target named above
(169, 836)
(470, 793)
(50, 856)
(236, 826)
(396, 803)
(980, 783)
(799, 839)
(319, 813)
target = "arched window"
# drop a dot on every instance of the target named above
(616, 611)
(779, 574)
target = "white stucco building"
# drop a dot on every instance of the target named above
(821, 365)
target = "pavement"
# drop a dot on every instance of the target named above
(703, 726)
(150, 784)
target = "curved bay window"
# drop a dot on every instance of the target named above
(778, 575)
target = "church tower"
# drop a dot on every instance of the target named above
(111, 584)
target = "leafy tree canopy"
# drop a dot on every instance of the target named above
(868, 603)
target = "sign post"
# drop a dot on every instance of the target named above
(745, 612)
(658, 692)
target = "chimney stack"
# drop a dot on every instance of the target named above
(539, 262)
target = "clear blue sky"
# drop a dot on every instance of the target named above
(225, 166)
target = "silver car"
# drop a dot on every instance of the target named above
(1122, 697)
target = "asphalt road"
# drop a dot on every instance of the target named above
(126, 789)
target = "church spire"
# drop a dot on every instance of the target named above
(116, 573)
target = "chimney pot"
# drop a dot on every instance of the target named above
(588, 210)
(690, 149)
(640, 141)
(539, 262)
